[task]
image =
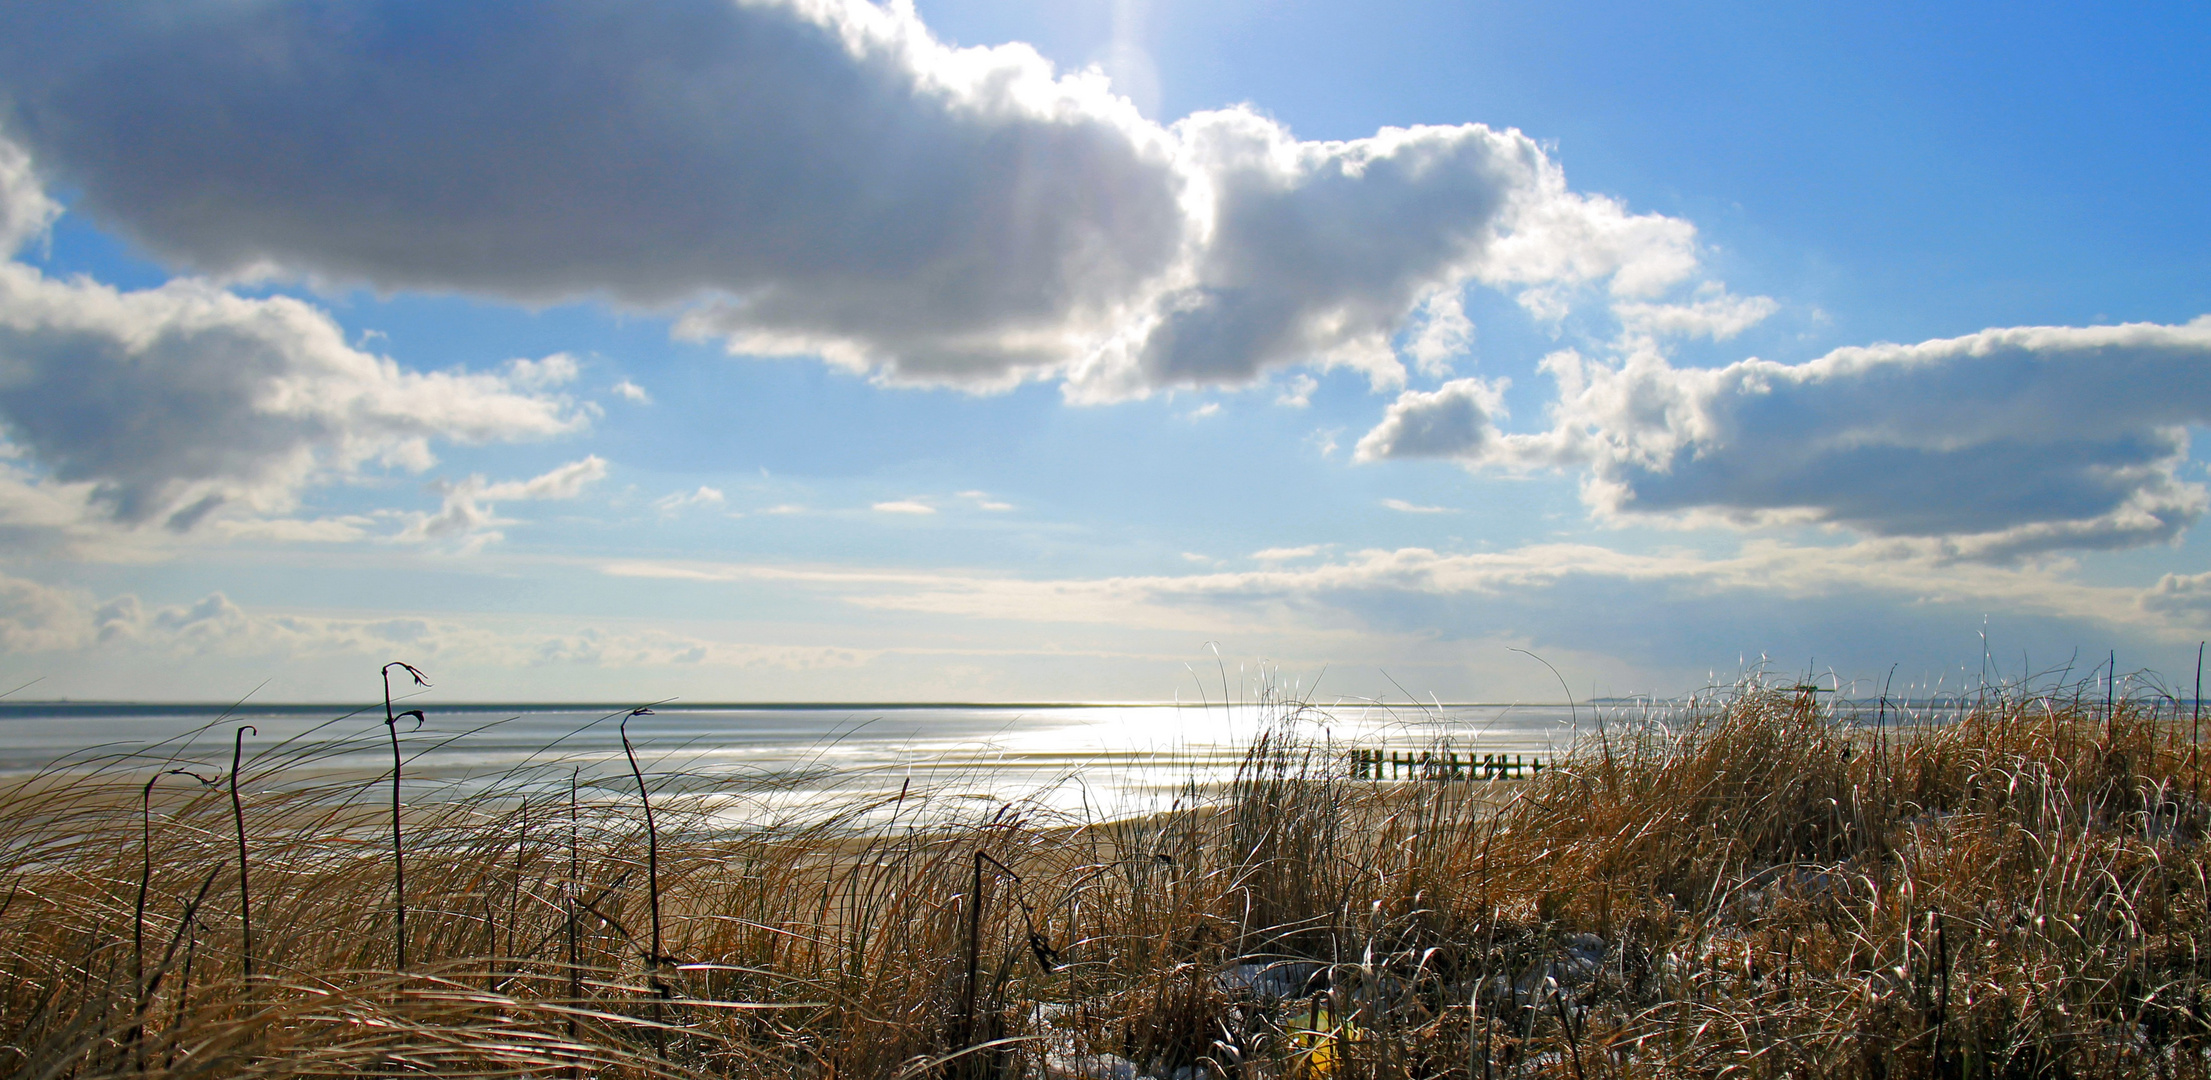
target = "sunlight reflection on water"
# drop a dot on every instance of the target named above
(765, 761)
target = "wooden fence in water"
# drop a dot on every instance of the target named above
(1385, 764)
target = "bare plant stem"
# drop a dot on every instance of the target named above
(1942, 1000)
(138, 914)
(399, 861)
(138, 919)
(572, 889)
(2111, 686)
(245, 891)
(399, 849)
(168, 957)
(1566, 1020)
(656, 957)
(184, 985)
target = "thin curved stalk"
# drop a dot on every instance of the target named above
(399, 848)
(138, 913)
(656, 956)
(652, 838)
(238, 818)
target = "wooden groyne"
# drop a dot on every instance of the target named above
(1386, 764)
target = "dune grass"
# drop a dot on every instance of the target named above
(1750, 888)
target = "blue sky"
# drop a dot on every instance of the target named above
(993, 351)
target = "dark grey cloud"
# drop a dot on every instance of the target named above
(546, 150)
(815, 177)
(827, 173)
(1322, 250)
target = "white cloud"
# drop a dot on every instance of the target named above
(1317, 252)
(1284, 554)
(1403, 507)
(467, 513)
(565, 482)
(37, 618)
(1297, 391)
(1445, 332)
(1024, 224)
(1992, 446)
(558, 369)
(983, 501)
(1456, 420)
(679, 501)
(337, 530)
(2003, 443)
(43, 517)
(1557, 241)
(1713, 312)
(630, 391)
(25, 209)
(2184, 597)
(904, 506)
(171, 404)
(1210, 408)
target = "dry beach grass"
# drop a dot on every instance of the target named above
(1752, 888)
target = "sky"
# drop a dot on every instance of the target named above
(972, 350)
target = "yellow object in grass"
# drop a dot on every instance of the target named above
(1317, 1043)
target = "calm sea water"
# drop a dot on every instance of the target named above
(771, 761)
(1100, 758)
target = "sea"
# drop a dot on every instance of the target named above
(771, 761)
(1082, 757)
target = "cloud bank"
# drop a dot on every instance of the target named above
(816, 177)
(1661, 607)
(38, 618)
(1996, 445)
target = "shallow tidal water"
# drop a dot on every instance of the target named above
(1085, 758)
